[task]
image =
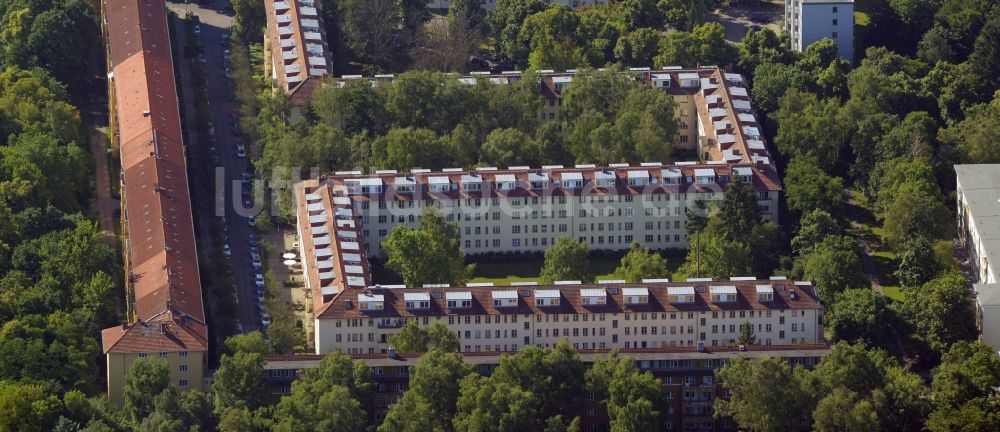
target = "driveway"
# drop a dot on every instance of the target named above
(738, 19)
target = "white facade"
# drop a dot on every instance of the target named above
(543, 316)
(808, 21)
(525, 211)
(978, 212)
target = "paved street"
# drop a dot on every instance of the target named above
(213, 25)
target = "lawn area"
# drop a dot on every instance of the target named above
(884, 258)
(861, 19)
(504, 273)
(894, 293)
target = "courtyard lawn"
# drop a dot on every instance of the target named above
(504, 273)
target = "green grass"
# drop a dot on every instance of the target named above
(504, 273)
(894, 293)
(885, 259)
(861, 19)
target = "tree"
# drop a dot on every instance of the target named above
(970, 136)
(758, 48)
(704, 45)
(252, 342)
(556, 372)
(416, 339)
(239, 381)
(249, 20)
(638, 47)
(434, 387)
(489, 404)
(814, 226)
(861, 316)
(26, 407)
(636, 14)
(938, 311)
(717, 258)
(448, 45)
(808, 188)
(772, 80)
(904, 402)
(746, 335)
(370, 29)
(49, 35)
(914, 214)
(567, 260)
(687, 14)
(810, 126)
(985, 57)
(354, 107)
(851, 367)
(327, 398)
(978, 414)
(765, 395)
(407, 148)
(509, 147)
(640, 263)
(146, 379)
(968, 370)
(53, 350)
(917, 262)
(833, 266)
(844, 410)
(505, 25)
(632, 398)
(333, 411)
(429, 254)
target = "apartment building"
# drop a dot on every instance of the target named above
(688, 378)
(714, 114)
(490, 4)
(520, 210)
(808, 21)
(978, 220)
(165, 316)
(296, 53)
(651, 314)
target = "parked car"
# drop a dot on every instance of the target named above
(241, 152)
(250, 222)
(255, 259)
(239, 328)
(226, 250)
(259, 279)
(245, 178)
(253, 242)
(202, 59)
(265, 320)
(224, 39)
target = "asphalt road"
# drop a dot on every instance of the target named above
(214, 24)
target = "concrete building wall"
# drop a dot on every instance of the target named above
(584, 331)
(190, 378)
(810, 21)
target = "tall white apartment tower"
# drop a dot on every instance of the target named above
(808, 21)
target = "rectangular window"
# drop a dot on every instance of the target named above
(183, 368)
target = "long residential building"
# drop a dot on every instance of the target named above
(519, 210)
(689, 383)
(978, 211)
(715, 115)
(297, 55)
(166, 316)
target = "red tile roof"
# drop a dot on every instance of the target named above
(162, 251)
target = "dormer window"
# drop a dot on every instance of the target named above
(472, 183)
(417, 300)
(371, 302)
(506, 182)
(504, 299)
(538, 181)
(639, 178)
(635, 296)
(723, 294)
(439, 184)
(680, 294)
(572, 180)
(459, 300)
(704, 175)
(593, 297)
(405, 185)
(605, 179)
(765, 293)
(547, 297)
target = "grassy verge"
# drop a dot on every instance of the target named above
(504, 273)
